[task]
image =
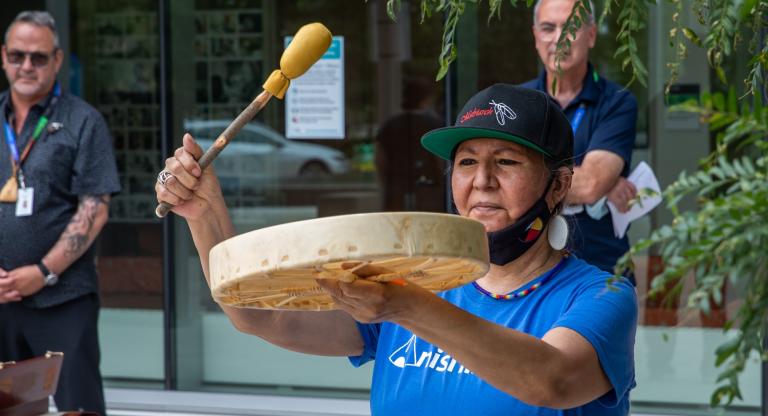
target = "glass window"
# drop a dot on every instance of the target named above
(113, 65)
(373, 161)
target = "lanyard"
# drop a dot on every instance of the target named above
(577, 117)
(10, 134)
(10, 138)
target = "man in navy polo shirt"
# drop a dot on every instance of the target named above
(603, 116)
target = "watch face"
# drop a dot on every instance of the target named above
(51, 279)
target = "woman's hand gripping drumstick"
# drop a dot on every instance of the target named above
(309, 44)
(190, 189)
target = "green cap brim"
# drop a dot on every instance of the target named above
(443, 141)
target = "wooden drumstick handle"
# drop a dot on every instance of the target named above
(309, 45)
(223, 140)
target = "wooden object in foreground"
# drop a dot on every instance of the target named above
(276, 267)
(26, 385)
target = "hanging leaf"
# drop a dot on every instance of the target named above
(691, 35)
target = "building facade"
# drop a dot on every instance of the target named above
(158, 68)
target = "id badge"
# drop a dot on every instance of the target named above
(24, 202)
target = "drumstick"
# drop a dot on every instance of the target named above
(309, 44)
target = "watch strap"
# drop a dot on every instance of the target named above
(43, 269)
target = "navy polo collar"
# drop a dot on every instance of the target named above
(590, 89)
(42, 104)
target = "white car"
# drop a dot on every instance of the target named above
(260, 154)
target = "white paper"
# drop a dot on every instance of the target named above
(641, 177)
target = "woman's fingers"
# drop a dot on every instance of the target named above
(188, 162)
(186, 178)
(175, 187)
(184, 168)
(331, 286)
(164, 195)
(333, 289)
(361, 289)
(190, 145)
(182, 177)
(364, 300)
(339, 291)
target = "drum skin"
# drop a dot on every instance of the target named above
(277, 267)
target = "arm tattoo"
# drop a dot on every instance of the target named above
(78, 232)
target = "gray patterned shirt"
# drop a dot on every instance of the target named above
(62, 166)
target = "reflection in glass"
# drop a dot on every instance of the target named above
(268, 179)
(117, 43)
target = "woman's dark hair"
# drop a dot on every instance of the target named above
(554, 171)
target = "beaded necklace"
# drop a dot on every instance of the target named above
(522, 292)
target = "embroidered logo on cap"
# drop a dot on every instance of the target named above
(502, 112)
(475, 112)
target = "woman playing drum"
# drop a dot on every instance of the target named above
(540, 334)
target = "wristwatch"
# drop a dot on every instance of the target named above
(49, 278)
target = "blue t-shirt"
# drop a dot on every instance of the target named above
(413, 377)
(609, 123)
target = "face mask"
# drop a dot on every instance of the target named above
(511, 242)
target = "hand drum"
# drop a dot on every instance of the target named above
(277, 267)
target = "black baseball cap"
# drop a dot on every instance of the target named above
(502, 111)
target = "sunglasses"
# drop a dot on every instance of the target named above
(39, 59)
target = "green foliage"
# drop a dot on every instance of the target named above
(724, 239)
(723, 17)
(580, 15)
(632, 17)
(642, 193)
(677, 40)
(722, 36)
(451, 10)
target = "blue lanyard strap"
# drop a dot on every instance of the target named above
(577, 117)
(10, 138)
(10, 134)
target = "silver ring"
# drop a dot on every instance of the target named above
(163, 177)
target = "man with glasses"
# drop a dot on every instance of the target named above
(58, 172)
(603, 116)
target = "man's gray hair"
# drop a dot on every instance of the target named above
(590, 19)
(37, 18)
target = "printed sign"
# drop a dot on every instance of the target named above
(314, 103)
